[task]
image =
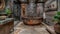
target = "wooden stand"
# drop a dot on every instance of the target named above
(5, 28)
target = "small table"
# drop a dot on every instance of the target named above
(6, 25)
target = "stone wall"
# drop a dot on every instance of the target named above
(58, 5)
(6, 5)
(50, 14)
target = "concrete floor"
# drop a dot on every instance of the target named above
(24, 29)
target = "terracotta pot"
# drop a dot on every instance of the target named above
(57, 28)
(36, 21)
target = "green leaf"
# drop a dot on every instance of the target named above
(56, 17)
(58, 13)
(8, 11)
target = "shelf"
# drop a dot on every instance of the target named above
(49, 10)
(5, 21)
(2, 13)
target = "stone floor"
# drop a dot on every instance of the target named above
(24, 29)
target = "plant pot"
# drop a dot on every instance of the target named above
(33, 21)
(57, 28)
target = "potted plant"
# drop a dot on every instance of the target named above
(8, 12)
(57, 25)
